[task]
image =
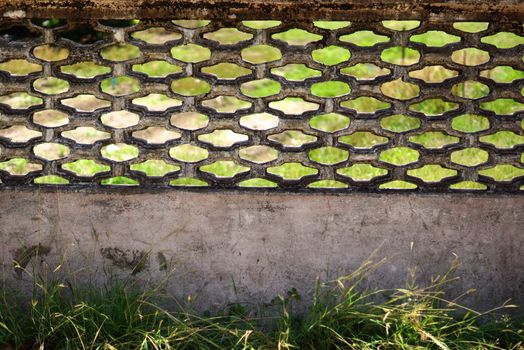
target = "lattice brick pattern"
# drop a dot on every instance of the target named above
(299, 105)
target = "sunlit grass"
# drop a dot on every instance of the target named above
(59, 313)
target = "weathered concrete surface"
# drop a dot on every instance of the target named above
(223, 247)
(353, 10)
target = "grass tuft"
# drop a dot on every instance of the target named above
(341, 316)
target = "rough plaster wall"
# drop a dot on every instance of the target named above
(224, 247)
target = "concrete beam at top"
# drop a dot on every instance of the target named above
(353, 10)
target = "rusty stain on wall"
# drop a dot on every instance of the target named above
(23, 255)
(133, 260)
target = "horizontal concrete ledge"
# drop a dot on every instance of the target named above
(353, 10)
(227, 246)
(120, 190)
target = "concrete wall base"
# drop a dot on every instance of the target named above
(224, 247)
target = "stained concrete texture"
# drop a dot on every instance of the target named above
(355, 10)
(230, 247)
